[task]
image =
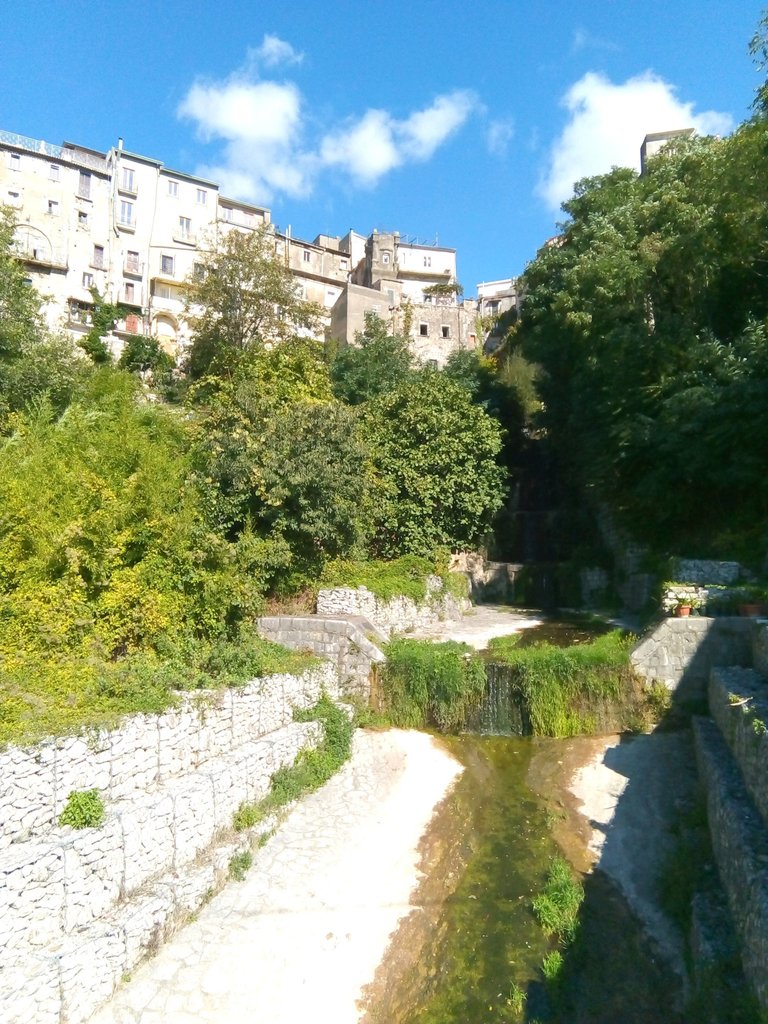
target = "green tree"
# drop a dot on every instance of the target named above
(436, 456)
(21, 321)
(376, 363)
(242, 296)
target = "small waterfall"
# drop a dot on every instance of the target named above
(502, 710)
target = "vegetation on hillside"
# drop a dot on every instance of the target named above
(142, 532)
(648, 320)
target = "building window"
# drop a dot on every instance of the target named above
(162, 291)
(445, 330)
(130, 291)
(53, 207)
(198, 272)
(84, 185)
(98, 257)
(173, 188)
(55, 172)
(126, 212)
(202, 196)
(342, 264)
(226, 213)
(306, 256)
(132, 262)
(82, 219)
(87, 280)
(129, 179)
(385, 257)
(427, 261)
(424, 330)
(14, 161)
(166, 265)
(14, 198)
(432, 364)
(185, 227)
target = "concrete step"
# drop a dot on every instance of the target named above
(738, 703)
(739, 838)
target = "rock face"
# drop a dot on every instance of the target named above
(79, 909)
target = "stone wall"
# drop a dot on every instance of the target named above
(705, 571)
(348, 643)
(396, 615)
(681, 652)
(740, 848)
(78, 909)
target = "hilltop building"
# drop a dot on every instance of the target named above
(655, 141)
(134, 229)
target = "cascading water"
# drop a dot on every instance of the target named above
(503, 710)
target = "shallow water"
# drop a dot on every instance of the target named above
(455, 960)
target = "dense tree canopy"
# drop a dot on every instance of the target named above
(648, 318)
(376, 363)
(240, 296)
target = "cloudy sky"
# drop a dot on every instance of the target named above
(460, 123)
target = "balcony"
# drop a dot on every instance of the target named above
(185, 237)
(133, 268)
(43, 257)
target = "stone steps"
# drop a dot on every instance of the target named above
(738, 703)
(739, 836)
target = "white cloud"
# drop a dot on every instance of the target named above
(274, 51)
(262, 131)
(377, 142)
(498, 136)
(608, 124)
(583, 40)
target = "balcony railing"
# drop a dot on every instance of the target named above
(68, 153)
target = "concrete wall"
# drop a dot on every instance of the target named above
(78, 909)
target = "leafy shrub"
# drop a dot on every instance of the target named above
(83, 809)
(431, 684)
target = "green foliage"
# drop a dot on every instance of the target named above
(312, 767)
(552, 967)
(240, 865)
(577, 689)
(44, 371)
(144, 355)
(375, 364)
(83, 809)
(242, 298)
(436, 457)
(427, 684)
(401, 577)
(557, 907)
(649, 322)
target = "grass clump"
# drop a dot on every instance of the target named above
(557, 907)
(311, 768)
(585, 688)
(83, 809)
(426, 684)
(239, 865)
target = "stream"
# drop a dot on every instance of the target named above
(473, 940)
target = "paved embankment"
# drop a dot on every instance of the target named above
(303, 934)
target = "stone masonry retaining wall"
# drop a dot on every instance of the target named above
(740, 846)
(681, 652)
(347, 642)
(78, 909)
(398, 614)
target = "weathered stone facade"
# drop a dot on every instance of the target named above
(78, 909)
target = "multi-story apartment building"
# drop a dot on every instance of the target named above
(133, 229)
(413, 288)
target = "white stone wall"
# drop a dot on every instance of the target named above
(398, 614)
(80, 908)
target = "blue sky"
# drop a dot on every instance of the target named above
(464, 123)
